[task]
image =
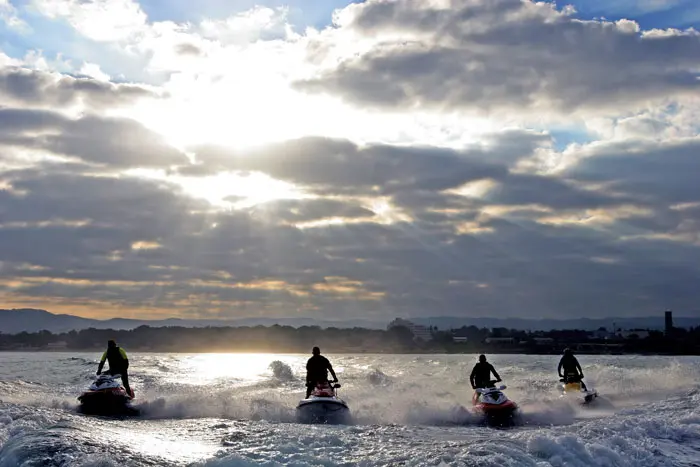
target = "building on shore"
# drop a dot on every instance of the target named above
(500, 340)
(419, 331)
(631, 333)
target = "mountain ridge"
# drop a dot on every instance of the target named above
(13, 321)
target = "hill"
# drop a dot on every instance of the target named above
(32, 320)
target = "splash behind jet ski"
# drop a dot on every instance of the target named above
(494, 406)
(572, 388)
(323, 406)
(106, 396)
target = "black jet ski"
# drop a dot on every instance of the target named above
(323, 406)
(106, 396)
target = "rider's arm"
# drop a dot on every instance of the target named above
(102, 362)
(578, 366)
(561, 362)
(330, 368)
(125, 357)
(495, 373)
(472, 376)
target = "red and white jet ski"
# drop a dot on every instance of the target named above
(323, 406)
(106, 395)
(494, 405)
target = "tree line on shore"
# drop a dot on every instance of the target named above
(287, 339)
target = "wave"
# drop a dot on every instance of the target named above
(281, 371)
(647, 414)
(378, 378)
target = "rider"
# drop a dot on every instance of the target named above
(317, 368)
(572, 368)
(481, 374)
(118, 364)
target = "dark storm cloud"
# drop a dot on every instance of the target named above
(68, 234)
(76, 222)
(521, 189)
(307, 210)
(505, 54)
(662, 172)
(114, 142)
(339, 166)
(21, 86)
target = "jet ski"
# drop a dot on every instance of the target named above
(106, 396)
(571, 387)
(492, 404)
(323, 406)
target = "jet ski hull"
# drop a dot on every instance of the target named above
(106, 402)
(329, 410)
(574, 390)
(494, 407)
(500, 414)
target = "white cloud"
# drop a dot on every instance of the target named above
(8, 14)
(93, 70)
(499, 58)
(249, 26)
(99, 20)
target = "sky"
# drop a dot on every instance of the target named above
(224, 158)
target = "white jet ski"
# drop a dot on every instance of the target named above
(572, 388)
(323, 406)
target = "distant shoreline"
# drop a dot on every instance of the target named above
(398, 340)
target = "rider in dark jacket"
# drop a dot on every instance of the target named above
(572, 369)
(317, 368)
(118, 364)
(481, 374)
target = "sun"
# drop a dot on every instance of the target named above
(229, 189)
(238, 112)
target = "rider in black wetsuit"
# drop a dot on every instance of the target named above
(572, 369)
(481, 374)
(118, 364)
(317, 368)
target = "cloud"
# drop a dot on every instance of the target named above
(22, 86)
(661, 172)
(257, 23)
(307, 210)
(503, 56)
(188, 49)
(99, 20)
(8, 14)
(402, 205)
(114, 142)
(329, 165)
(75, 237)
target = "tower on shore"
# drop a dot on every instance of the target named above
(668, 328)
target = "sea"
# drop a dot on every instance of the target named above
(229, 410)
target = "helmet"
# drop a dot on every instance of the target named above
(482, 358)
(316, 351)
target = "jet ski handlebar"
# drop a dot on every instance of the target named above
(492, 388)
(107, 373)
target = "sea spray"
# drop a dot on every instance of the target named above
(281, 371)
